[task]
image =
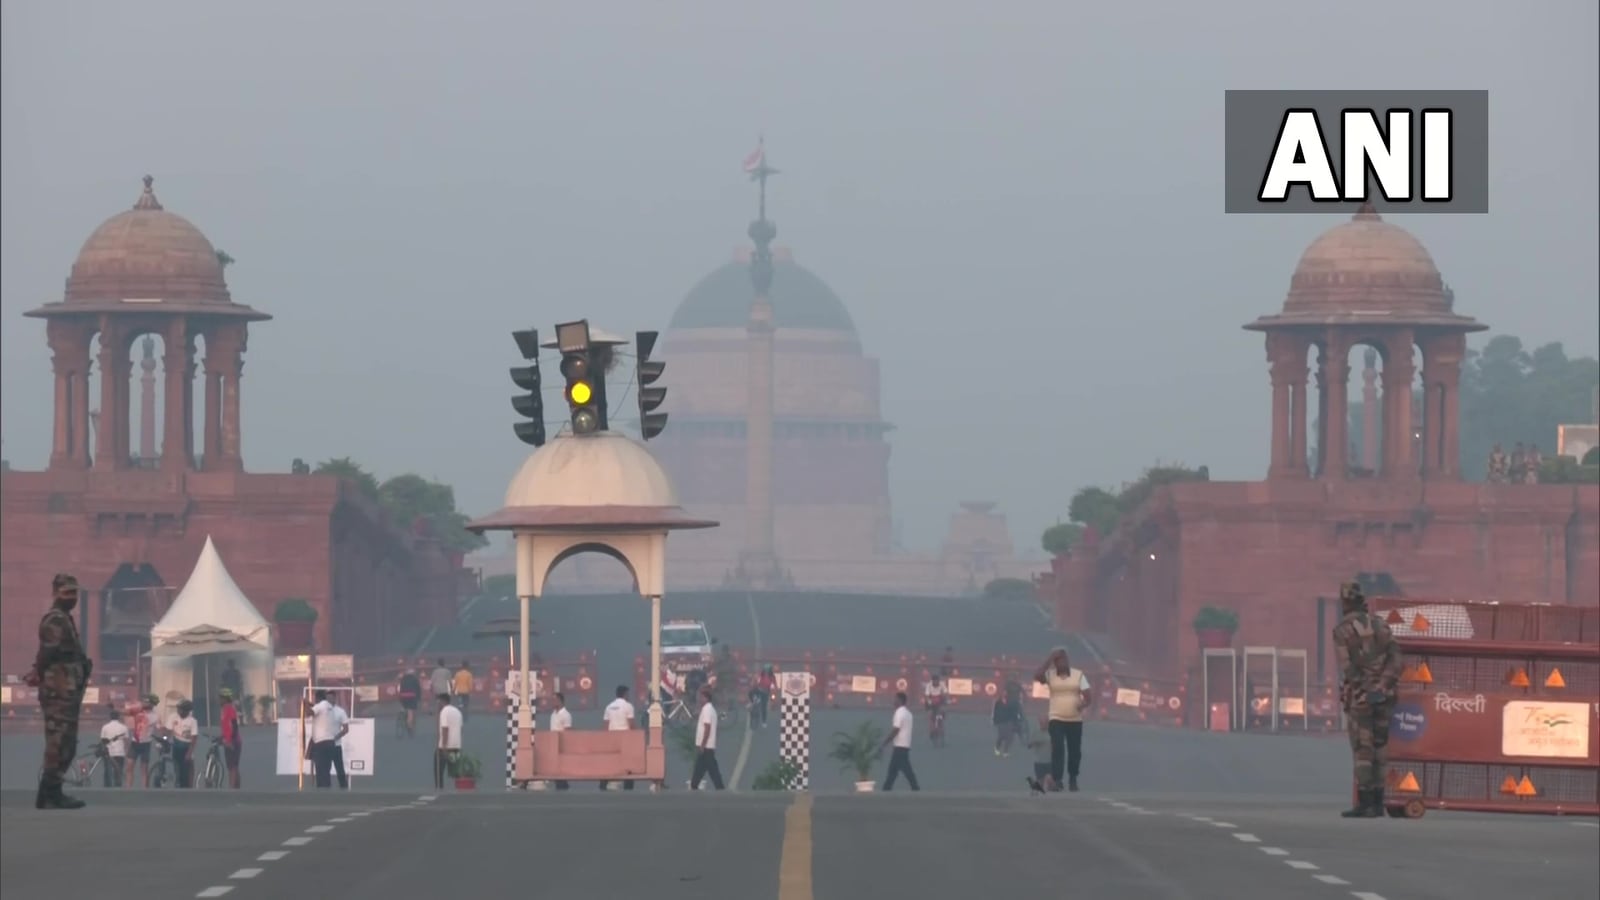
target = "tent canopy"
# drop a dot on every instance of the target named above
(211, 599)
(202, 640)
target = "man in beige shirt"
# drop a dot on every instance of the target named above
(1070, 696)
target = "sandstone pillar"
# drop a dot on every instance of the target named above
(147, 403)
(1399, 375)
(1369, 416)
(1336, 370)
(174, 364)
(105, 440)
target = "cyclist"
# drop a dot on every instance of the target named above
(142, 724)
(232, 739)
(934, 695)
(1007, 717)
(761, 694)
(410, 691)
(184, 732)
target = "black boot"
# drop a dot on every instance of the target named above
(60, 800)
(1365, 808)
(1072, 783)
(1378, 808)
(42, 800)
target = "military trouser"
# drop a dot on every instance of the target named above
(1368, 728)
(60, 710)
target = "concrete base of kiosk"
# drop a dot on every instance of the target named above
(575, 755)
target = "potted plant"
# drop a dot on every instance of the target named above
(779, 775)
(296, 619)
(465, 769)
(1215, 626)
(856, 751)
(265, 702)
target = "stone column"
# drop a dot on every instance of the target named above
(212, 427)
(124, 408)
(758, 438)
(1297, 424)
(1399, 377)
(1450, 423)
(232, 359)
(61, 362)
(147, 402)
(80, 408)
(189, 369)
(174, 365)
(1336, 370)
(1282, 370)
(105, 440)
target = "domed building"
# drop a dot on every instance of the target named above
(1275, 551)
(128, 521)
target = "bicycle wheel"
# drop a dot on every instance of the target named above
(400, 725)
(77, 774)
(159, 773)
(212, 778)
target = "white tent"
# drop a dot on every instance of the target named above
(209, 601)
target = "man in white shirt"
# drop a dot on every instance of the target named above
(900, 737)
(449, 743)
(323, 731)
(342, 720)
(560, 720)
(619, 716)
(114, 737)
(1070, 695)
(440, 681)
(705, 742)
(185, 730)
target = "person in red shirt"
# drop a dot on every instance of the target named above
(232, 740)
(761, 695)
(140, 735)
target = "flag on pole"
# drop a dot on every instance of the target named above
(758, 158)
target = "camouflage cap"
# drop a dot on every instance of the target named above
(62, 580)
(1350, 592)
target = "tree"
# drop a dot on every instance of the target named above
(1098, 508)
(1509, 395)
(1060, 538)
(1095, 507)
(408, 498)
(347, 469)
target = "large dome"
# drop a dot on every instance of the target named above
(1366, 266)
(799, 299)
(147, 255)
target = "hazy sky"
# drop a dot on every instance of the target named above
(1019, 201)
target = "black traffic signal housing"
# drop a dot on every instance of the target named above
(578, 366)
(529, 405)
(650, 423)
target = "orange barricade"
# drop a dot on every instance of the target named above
(1129, 698)
(1499, 708)
(377, 680)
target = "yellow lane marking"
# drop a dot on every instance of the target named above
(794, 867)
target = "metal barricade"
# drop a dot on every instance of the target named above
(1125, 698)
(1495, 724)
(1219, 679)
(1277, 689)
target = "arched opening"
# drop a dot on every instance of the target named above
(146, 409)
(591, 568)
(86, 405)
(198, 391)
(130, 604)
(1367, 424)
(1311, 425)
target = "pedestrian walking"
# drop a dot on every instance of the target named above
(1369, 665)
(449, 742)
(439, 683)
(705, 743)
(185, 731)
(1070, 696)
(60, 671)
(461, 686)
(900, 737)
(560, 720)
(619, 716)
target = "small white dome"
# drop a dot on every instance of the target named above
(602, 469)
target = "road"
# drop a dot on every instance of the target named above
(1164, 813)
(753, 846)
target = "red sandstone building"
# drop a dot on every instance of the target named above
(1270, 549)
(131, 523)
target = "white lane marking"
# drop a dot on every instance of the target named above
(744, 742)
(358, 815)
(272, 856)
(1300, 864)
(1330, 879)
(246, 873)
(1247, 838)
(1224, 825)
(1274, 851)
(341, 820)
(298, 841)
(429, 797)
(1366, 895)
(216, 891)
(319, 829)
(1585, 824)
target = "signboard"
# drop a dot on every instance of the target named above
(798, 684)
(859, 684)
(358, 747)
(514, 684)
(292, 668)
(338, 666)
(367, 693)
(1545, 729)
(960, 687)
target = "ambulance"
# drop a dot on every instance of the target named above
(685, 645)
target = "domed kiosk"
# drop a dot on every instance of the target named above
(1366, 282)
(602, 493)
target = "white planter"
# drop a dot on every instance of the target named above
(864, 787)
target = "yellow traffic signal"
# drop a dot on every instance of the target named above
(580, 393)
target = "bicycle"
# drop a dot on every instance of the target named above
(214, 770)
(163, 770)
(405, 725)
(936, 727)
(89, 763)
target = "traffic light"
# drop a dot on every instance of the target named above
(531, 404)
(577, 367)
(650, 423)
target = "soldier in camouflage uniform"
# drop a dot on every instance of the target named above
(60, 672)
(1369, 662)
